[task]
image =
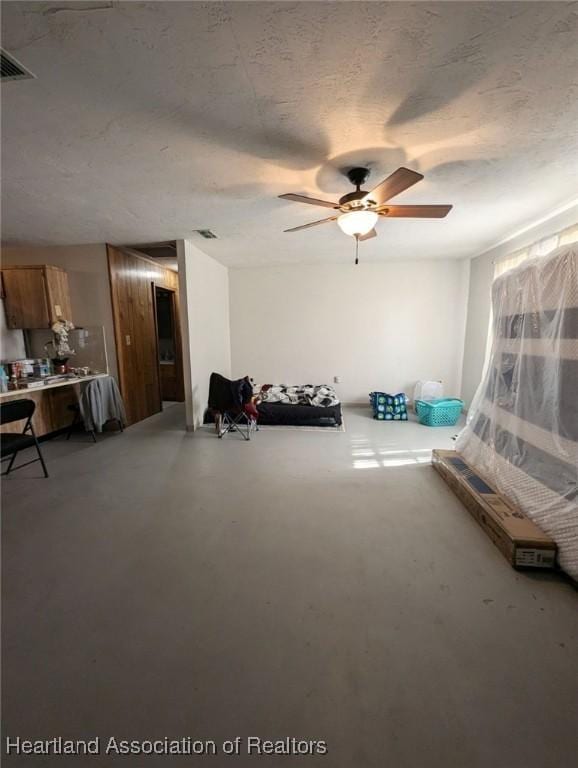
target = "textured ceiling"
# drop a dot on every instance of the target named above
(149, 120)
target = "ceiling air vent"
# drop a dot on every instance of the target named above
(206, 233)
(10, 69)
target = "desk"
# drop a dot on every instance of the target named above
(52, 401)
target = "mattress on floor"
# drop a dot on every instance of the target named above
(299, 415)
(522, 427)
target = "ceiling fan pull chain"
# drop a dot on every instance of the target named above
(357, 249)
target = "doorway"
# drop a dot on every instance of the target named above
(134, 282)
(167, 344)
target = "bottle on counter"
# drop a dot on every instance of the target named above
(3, 379)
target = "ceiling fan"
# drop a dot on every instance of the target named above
(359, 211)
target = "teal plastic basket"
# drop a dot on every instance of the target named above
(439, 413)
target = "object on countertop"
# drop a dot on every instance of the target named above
(61, 344)
(42, 367)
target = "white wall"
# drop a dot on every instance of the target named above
(479, 299)
(11, 341)
(87, 268)
(377, 326)
(204, 300)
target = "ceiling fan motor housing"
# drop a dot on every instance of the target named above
(358, 176)
(352, 199)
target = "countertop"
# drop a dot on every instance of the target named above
(63, 383)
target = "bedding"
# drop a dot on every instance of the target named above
(306, 405)
(307, 394)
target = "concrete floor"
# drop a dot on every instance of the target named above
(322, 586)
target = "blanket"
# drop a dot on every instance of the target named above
(308, 394)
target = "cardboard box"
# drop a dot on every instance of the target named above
(520, 540)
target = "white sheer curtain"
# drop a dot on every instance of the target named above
(521, 425)
(539, 248)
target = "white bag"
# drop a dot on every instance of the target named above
(428, 390)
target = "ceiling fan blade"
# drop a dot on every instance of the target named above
(311, 224)
(310, 201)
(372, 233)
(399, 180)
(415, 211)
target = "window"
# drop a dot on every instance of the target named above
(540, 248)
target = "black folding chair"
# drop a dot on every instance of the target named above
(236, 421)
(12, 444)
(227, 402)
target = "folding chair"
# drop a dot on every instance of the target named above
(230, 403)
(237, 421)
(77, 419)
(12, 444)
(94, 416)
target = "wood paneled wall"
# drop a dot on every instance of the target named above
(132, 282)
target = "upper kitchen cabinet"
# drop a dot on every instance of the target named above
(35, 296)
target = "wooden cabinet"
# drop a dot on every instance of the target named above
(51, 412)
(35, 296)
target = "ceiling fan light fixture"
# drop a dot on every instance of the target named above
(357, 222)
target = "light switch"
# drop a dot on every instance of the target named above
(58, 310)
(127, 337)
